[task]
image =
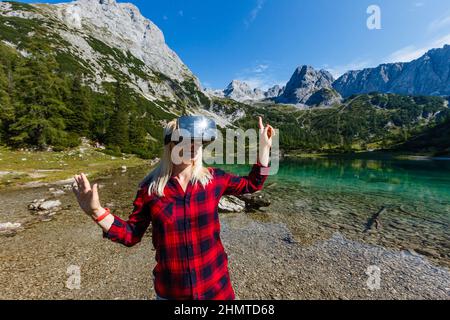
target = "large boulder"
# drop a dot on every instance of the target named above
(229, 204)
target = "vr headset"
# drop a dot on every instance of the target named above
(194, 128)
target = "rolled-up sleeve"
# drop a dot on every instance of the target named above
(130, 232)
(254, 181)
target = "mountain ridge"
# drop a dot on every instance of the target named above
(426, 75)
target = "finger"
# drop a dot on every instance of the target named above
(266, 129)
(95, 189)
(77, 180)
(271, 131)
(260, 123)
(75, 188)
(87, 185)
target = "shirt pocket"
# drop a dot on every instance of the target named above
(163, 211)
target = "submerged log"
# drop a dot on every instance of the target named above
(374, 219)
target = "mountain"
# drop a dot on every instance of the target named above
(100, 70)
(241, 91)
(97, 69)
(307, 86)
(274, 92)
(364, 122)
(304, 83)
(427, 75)
(109, 40)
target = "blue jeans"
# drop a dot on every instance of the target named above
(160, 298)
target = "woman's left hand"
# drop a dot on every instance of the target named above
(266, 134)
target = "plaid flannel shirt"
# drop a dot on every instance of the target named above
(191, 260)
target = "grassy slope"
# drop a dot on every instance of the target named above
(19, 167)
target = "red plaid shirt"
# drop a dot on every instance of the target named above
(191, 260)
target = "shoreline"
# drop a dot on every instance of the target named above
(376, 155)
(263, 264)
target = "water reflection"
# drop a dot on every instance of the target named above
(425, 180)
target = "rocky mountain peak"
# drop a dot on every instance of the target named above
(304, 83)
(241, 91)
(121, 25)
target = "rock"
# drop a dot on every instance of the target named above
(289, 239)
(8, 226)
(229, 204)
(44, 205)
(154, 161)
(255, 201)
(124, 168)
(57, 193)
(34, 205)
(67, 187)
(49, 204)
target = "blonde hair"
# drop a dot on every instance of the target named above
(158, 178)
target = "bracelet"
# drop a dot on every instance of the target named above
(103, 216)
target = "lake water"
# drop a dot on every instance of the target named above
(316, 196)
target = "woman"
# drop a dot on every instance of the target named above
(181, 201)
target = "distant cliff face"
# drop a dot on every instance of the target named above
(121, 25)
(428, 75)
(304, 83)
(108, 41)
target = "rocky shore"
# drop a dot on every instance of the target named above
(269, 258)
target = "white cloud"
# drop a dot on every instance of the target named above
(339, 70)
(260, 76)
(255, 11)
(412, 52)
(440, 23)
(260, 68)
(419, 4)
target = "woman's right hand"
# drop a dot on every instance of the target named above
(87, 197)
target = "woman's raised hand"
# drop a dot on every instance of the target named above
(266, 134)
(87, 197)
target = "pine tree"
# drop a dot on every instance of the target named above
(40, 110)
(117, 132)
(80, 119)
(7, 61)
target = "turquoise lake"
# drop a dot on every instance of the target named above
(317, 196)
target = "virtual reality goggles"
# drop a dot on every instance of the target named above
(194, 128)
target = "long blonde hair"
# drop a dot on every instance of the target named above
(158, 178)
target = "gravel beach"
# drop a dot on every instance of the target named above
(266, 260)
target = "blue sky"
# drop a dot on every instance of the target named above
(263, 41)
